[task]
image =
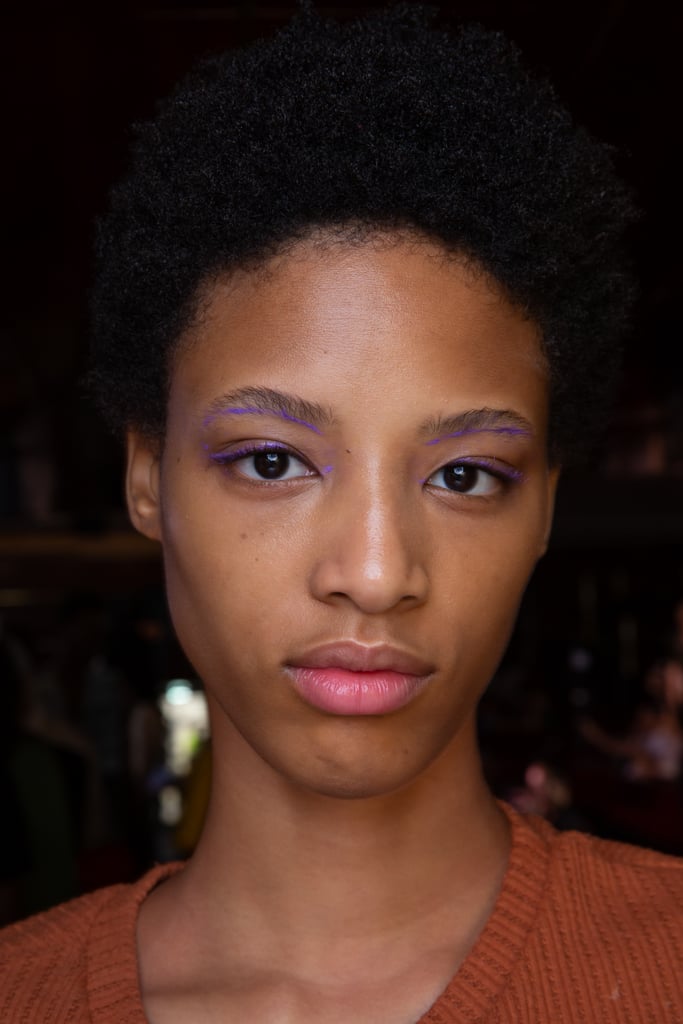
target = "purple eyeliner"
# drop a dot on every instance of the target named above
(509, 472)
(240, 453)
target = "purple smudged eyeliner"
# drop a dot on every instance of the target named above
(509, 472)
(257, 410)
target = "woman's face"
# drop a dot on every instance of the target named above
(352, 495)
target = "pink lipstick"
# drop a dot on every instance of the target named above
(346, 678)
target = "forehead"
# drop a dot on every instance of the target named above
(387, 320)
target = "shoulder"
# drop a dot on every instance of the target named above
(43, 959)
(585, 869)
(604, 869)
(598, 862)
(48, 961)
(631, 898)
(611, 901)
(605, 935)
(583, 872)
(40, 936)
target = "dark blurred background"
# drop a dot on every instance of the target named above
(104, 765)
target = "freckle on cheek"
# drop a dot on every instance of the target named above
(243, 536)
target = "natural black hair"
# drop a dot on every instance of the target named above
(385, 121)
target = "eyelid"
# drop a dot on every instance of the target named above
(230, 456)
(489, 464)
(502, 472)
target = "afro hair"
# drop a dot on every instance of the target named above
(386, 121)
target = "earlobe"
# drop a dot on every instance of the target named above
(142, 485)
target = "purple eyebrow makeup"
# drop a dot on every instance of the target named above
(265, 402)
(510, 431)
(260, 411)
(272, 405)
(495, 467)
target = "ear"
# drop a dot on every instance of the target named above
(553, 480)
(142, 484)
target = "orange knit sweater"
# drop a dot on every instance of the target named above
(584, 930)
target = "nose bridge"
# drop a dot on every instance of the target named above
(376, 532)
(372, 551)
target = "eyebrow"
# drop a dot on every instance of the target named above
(267, 402)
(477, 421)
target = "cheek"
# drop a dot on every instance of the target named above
(482, 591)
(226, 575)
(491, 556)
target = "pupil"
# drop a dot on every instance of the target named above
(271, 464)
(459, 477)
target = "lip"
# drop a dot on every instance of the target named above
(348, 678)
(355, 657)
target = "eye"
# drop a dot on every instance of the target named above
(476, 479)
(264, 464)
(273, 465)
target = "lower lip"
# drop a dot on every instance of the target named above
(342, 692)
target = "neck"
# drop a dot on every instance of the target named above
(297, 870)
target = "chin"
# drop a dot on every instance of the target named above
(358, 778)
(344, 788)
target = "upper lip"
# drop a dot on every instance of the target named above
(355, 657)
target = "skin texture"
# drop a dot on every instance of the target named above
(332, 842)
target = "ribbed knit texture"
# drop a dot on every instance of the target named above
(584, 931)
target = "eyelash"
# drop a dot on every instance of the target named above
(501, 470)
(500, 474)
(507, 476)
(230, 458)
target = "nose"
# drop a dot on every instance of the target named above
(371, 551)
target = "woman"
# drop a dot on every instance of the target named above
(359, 299)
